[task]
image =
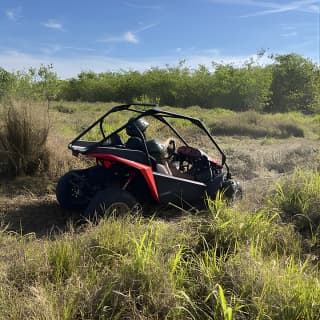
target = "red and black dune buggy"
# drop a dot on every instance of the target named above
(133, 172)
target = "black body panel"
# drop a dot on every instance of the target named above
(175, 190)
(89, 147)
(129, 154)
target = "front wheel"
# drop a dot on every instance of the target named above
(232, 190)
(112, 201)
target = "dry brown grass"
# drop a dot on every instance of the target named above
(60, 158)
(26, 145)
(259, 164)
(256, 125)
(23, 137)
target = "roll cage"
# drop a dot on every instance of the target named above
(81, 146)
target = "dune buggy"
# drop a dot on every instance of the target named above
(133, 172)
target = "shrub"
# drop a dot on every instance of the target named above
(298, 199)
(23, 137)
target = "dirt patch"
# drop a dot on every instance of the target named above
(42, 216)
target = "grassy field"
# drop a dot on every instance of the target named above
(256, 259)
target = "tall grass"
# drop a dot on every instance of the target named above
(220, 121)
(23, 137)
(223, 264)
(298, 199)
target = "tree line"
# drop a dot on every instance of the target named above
(290, 83)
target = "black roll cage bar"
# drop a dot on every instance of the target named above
(157, 113)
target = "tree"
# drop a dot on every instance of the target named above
(35, 84)
(293, 84)
(6, 80)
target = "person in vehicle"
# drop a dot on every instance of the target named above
(136, 130)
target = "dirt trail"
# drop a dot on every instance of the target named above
(30, 205)
(41, 215)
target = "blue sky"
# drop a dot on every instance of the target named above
(112, 35)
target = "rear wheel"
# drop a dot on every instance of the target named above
(112, 201)
(69, 190)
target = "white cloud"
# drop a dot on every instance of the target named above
(85, 49)
(315, 8)
(308, 6)
(125, 37)
(145, 27)
(138, 6)
(289, 34)
(288, 27)
(212, 52)
(53, 24)
(51, 49)
(14, 14)
(130, 37)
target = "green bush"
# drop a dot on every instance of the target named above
(294, 84)
(291, 83)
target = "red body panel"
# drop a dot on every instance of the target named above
(144, 169)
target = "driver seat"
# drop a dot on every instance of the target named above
(163, 168)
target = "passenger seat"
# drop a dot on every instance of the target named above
(163, 168)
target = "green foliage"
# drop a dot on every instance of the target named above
(6, 80)
(227, 230)
(63, 257)
(47, 84)
(35, 84)
(242, 88)
(291, 83)
(295, 84)
(298, 199)
(227, 311)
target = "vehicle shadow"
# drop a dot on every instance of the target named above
(43, 218)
